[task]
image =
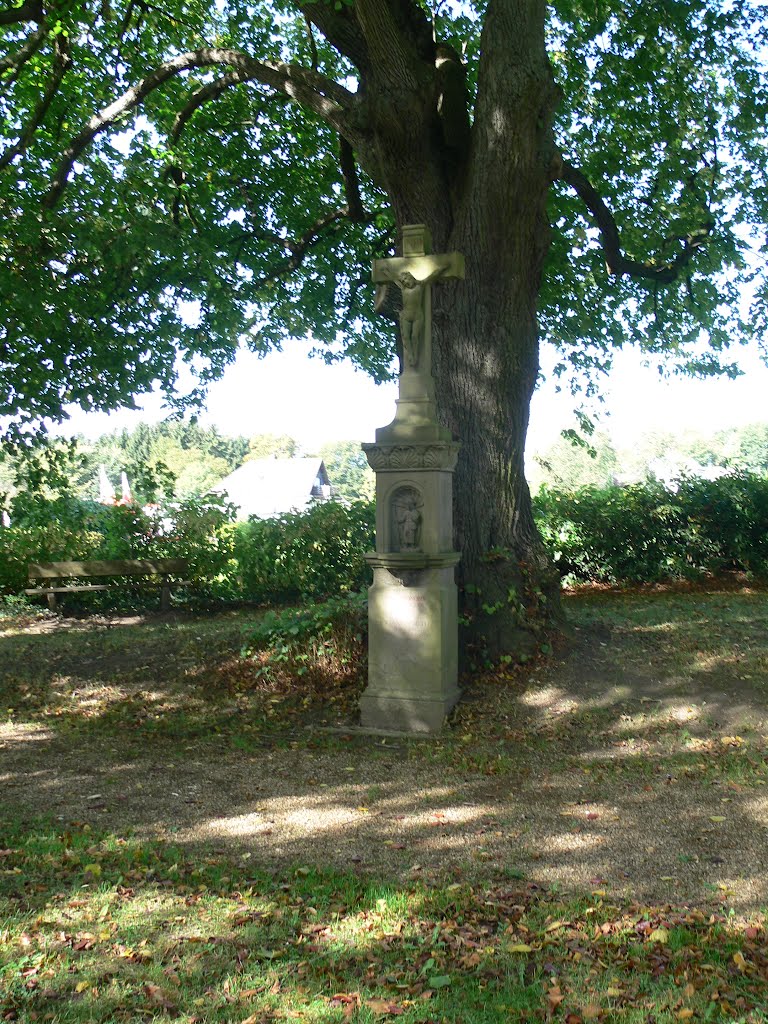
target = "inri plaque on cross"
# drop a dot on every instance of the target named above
(413, 273)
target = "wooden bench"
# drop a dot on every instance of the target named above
(53, 573)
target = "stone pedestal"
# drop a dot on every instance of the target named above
(412, 605)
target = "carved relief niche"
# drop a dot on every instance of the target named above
(406, 519)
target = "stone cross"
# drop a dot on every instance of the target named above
(412, 604)
(413, 273)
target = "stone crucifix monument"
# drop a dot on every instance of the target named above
(412, 605)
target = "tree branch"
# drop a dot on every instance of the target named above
(205, 94)
(296, 248)
(616, 261)
(312, 43)
(327, 99)
(351, 181)
(300, 248)
(341, 28)
(61, 62)
(31, 10)
(14, 61)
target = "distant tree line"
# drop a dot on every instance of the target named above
(174, 459)
(576, 460)
(181, 459)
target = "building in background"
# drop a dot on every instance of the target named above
(107, 492)
(270, 487)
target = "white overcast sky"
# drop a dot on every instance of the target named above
(290, 393)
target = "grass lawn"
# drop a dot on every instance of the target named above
(587, 841)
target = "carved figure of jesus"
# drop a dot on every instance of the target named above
(413, 273)
(412, 316)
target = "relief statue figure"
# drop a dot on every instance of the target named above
(408, 520)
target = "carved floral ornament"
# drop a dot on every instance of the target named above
(411, 456)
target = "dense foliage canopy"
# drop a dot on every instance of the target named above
(176, 179)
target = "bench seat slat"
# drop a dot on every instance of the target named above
(93, 586)
(114, 567)
(67, 590)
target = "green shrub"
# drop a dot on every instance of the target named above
(646, 532)
(612, 534)
(200, 530)
(308, 555)
(19, 546)
(324, 643)
(311, 554)
(730, 516)
(67, 528)
(19, 608)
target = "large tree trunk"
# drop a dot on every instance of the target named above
(487, 199)
(485, 375)
(488, 344)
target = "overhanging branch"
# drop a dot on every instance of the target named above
(329, 100)
(616, 261)
(356, 210)
(206, 94)
(298, 249)
(61, 62)
(312, 43)
(31, 10)
(14, 61)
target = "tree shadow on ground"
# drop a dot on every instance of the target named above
(161, 934)
(623, 766)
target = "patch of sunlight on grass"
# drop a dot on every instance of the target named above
(544, 697)
(568, 842)
(758, 808)
(24, 732)
(98, 928)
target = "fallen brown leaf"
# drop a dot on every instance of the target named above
(554, 998)
(383, 1006)
(157, 997)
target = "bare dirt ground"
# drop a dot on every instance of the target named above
(634, 763)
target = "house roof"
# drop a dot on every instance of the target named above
(270, 487)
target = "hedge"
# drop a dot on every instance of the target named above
(310, 555)
(647, 532)
(69, 528)
(640, 533)
(314, 554)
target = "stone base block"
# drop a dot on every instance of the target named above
(404, 713)
(412, 646)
